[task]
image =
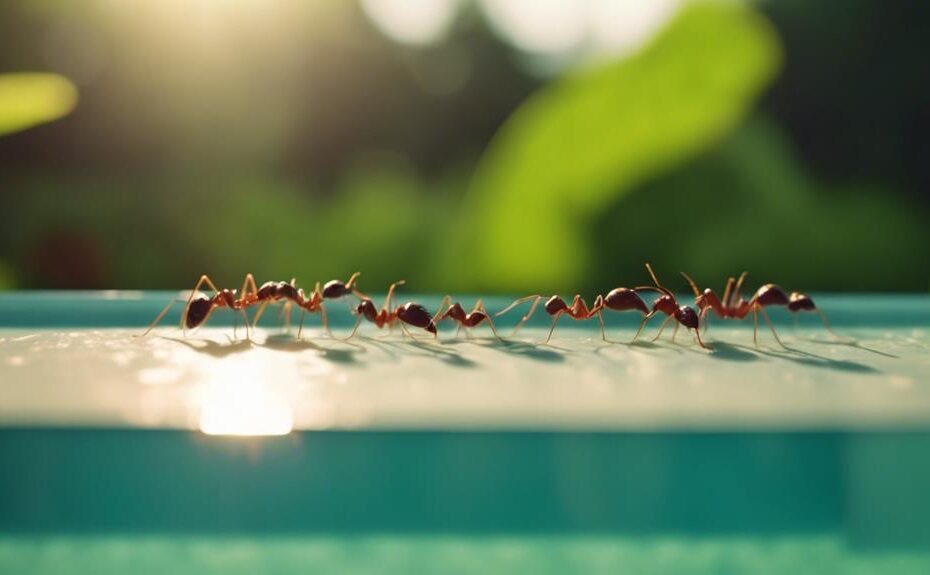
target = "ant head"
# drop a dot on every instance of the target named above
(555, 304)
(366, 308)
(798, 301)
(687, 317)
(666, 304)
(197, 311)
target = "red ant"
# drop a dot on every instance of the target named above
(280, 291)
(556, 307)
(733, 306)
(666, 303)
(619, 299)
(409, 313)
(469, 320)
(199, 307)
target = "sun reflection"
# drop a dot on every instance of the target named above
(236, 401)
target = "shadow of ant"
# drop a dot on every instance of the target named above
(729, 352)
(435, 350)
(280, 342)
(284, 342)
(535, 351)
(805, 358)
(850, 343)
(213, 348)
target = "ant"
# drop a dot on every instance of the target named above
(469, 320)
(619, 299)
(556, 308)
(409, 313)
(666, 303)
(733, 306)
(199, 307)
(288, 292)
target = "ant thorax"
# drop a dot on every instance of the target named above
(665, 304)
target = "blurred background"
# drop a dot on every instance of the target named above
(465, 145)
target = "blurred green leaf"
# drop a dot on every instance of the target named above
(27, 100)
(577, 145)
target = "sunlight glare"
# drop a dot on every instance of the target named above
(235, 402)
(412, 21)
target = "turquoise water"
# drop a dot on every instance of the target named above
(100, 501)
(77, 500)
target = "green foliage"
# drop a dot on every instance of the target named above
(27, 100)
(747, 204)
(577, 145)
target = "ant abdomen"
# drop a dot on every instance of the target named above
(335, 289)
(197, 311)
(771, 294)
(555, 304)
(687, 317)
(417, 316)
(278, 290)
(623, 299)
(474, 318)
(367, 309)
(798, 301)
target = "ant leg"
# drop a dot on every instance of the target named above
(555, 320)
(765, 316)
(406, 332)
(674, 333)
(755, 325)
(442, 307)
(248, 282)
(734, 295)
(536, 299)
(300, 326)
(358, 322)
(697, 336)
(390, 294)
(479, 306)
(245, 317)
(662, 327)
(159, 317)
(458, 330)
(727, 290)
(324, 319)
(642, 324)
(350, 285)
(258, 314)
(826, 324)
(600, 320)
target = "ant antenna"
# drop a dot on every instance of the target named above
(655, 280)
(658, 286)
(694, 288)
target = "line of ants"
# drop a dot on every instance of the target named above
(731, 305)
